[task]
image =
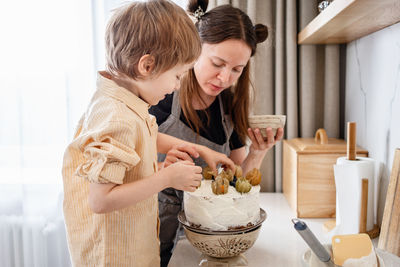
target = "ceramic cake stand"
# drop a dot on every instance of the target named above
(222, 248)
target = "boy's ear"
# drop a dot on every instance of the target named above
(146, 65)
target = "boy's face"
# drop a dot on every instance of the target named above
(154, 89)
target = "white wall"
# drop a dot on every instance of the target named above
(372, 97)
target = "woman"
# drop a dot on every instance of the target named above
(212, 106)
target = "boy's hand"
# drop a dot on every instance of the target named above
(178, 153)
(184, 175)
(213, 158)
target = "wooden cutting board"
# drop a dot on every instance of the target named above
(389, 239)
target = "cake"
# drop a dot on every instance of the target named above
(216, 209)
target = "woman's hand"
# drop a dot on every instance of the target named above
(258, 144)
(213, 158)
(258, 148)
(180, 152)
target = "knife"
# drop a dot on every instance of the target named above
(308, 236)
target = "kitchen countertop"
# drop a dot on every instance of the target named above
(277, 245)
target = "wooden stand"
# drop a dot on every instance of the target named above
(364, 205)
(374, 232)
(351, 141)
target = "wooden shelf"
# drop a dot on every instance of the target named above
(346, 20)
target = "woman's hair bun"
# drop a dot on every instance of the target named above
(193, 5)
(261, 32)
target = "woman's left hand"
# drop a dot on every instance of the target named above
(258, 143)
(180, 152)
(258, 148)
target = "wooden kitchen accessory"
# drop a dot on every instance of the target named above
(308, 180)
(389, 239)
(351, 141)
(354, 247)
(355, 179)
(352, 155)
(364, 205)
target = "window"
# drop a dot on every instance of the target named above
(50, 52)
(46, 79)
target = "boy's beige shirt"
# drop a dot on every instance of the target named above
(115, 142)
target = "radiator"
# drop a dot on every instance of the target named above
(33, 242)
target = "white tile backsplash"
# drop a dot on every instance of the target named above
(372, 97)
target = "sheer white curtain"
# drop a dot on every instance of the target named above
(46, 79)
(49, 53)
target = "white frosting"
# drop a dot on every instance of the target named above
(219, 212)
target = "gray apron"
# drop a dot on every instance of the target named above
(170, 200)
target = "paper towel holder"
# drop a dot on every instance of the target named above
(365, 186)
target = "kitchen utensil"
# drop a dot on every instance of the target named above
(354, 247)
(390, 231)
(308, 236)
(222, 244)
(349, 173)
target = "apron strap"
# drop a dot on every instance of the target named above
(226, 121)
(176, 106)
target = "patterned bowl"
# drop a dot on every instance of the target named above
(264, 121)
(222, 244)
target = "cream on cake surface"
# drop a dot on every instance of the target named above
(221, 212)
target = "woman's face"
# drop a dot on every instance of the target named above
(220, 65)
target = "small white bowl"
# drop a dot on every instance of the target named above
(264, 121)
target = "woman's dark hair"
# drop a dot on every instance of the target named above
(227, 22)
(223, 23)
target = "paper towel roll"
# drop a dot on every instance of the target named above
(348, 178)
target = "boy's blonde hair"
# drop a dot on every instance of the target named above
(156, 27)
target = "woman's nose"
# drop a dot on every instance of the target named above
(223, 75)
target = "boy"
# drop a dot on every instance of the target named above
(110, 169)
